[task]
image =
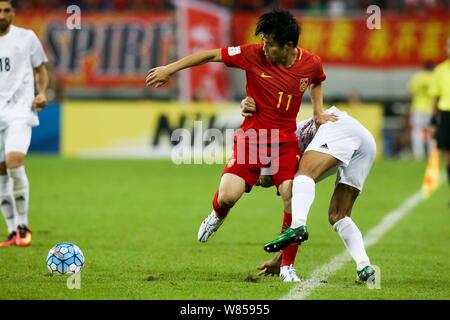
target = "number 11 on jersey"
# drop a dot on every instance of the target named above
(280, 97)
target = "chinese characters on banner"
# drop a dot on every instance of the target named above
(401, 42)
(116, 51)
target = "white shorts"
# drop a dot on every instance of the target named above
(349, 142)
(15, 138)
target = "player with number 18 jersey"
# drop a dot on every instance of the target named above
(23, 86)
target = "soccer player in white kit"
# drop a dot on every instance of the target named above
(344, 147)
(22, 62)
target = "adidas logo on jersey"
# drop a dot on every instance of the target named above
(325, 146)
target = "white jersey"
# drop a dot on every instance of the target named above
(20, 52)
(347, 140)
(306, 129)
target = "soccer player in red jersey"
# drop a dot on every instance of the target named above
(278, 74)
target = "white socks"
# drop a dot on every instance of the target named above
(21, 191)
(303, 193)
(353, 240)
(7, 203)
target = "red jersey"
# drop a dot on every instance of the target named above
(277, 90)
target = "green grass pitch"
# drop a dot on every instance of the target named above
(137, 220)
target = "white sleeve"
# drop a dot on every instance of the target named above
(37, 55)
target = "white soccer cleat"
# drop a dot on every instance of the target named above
(288, 274)
(208, 227)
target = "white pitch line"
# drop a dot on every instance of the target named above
(320, 274)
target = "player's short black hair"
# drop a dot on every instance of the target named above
(281, 25)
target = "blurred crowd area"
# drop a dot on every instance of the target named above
(331, 7)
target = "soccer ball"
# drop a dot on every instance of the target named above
(65, 258)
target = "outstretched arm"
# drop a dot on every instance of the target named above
(160, 75)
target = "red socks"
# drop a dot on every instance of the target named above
(290, 252)
(287, 219)
(220, 213)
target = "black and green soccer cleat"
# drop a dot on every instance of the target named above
(287, 237)
(365, 274)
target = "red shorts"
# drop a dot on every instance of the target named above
(283, 160)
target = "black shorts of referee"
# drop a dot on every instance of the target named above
(443, 131)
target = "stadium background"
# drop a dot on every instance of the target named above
(98, 70)
(136, 221)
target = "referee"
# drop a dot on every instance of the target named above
(440, 91)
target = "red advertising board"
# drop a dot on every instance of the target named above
(201, 27)
(108, 50)
(116, 50)
(401, 41)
